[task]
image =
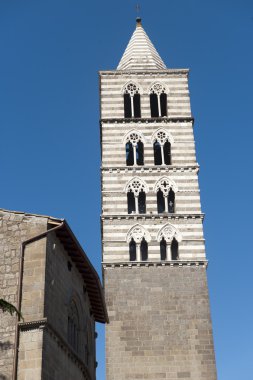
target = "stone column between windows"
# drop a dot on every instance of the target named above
(138, 251)
(162, 153)
(134, 149)
(166, 203)
(168, 251)
(136, 204)
(132, 105)
(159, 105)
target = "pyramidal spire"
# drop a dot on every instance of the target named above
(140, 53)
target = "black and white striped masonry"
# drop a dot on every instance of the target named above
(152, 222)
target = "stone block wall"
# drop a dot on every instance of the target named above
(14, 228)
(160, 325)
(50, 281)
(64, 283)
(30, 355)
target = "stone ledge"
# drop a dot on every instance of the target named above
(153, 216)
(151, 168)
(173, 263)
(174, 119)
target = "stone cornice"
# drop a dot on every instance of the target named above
(151, 169)
(149, 73)
(153, 216)
(43, 324)
(147, 120)
(139, 264)
(31, 325)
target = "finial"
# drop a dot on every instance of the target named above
(138, 21)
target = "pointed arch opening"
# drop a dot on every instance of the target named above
(157, 153)
(163, 101)
(171, 202)
(154, 105)
(132, 250)
(144, 250)
(167, 153)
(140, 153)
(160, 202)
(130, 202)
(174, 249)
(163, 249)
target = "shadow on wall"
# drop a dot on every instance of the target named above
(5, 346)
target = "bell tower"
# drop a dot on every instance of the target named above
(154, 262)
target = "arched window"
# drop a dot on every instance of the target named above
(144, 250)
(174, 249)
(169, 236)
(132, 250)
(163, 249)
(73, 326)
(130, 202)
(136, 191)
(158, 100)
(139, 153)
(138, 238)
(165, 190)
(171, 202)
(134, 149)
(132, 101)
(129, 154)
(162, 148)
(157, 153)
(142, 202)
(160, 201)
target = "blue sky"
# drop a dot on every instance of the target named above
(51, 51)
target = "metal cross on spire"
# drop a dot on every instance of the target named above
(138, 9)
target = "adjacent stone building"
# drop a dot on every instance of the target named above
(47, 275)
(154, 261)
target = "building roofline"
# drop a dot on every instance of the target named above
(157, 71)
(60, 220)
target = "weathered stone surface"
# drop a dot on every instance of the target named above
(51, 283)
(160, 325)
(14, 228)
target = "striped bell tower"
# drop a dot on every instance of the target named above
(154, 262)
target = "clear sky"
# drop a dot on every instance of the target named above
(51, 51)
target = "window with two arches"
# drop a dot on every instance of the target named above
(136, 191)
(134, 149)
(132, 101)
(165, 192)
(138, 239)
(162, 148)
(169, 237)
(158, 100)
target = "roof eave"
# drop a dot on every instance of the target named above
(87, 271)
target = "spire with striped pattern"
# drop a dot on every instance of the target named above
(140, 53)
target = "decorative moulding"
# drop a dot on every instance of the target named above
(137, 233)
